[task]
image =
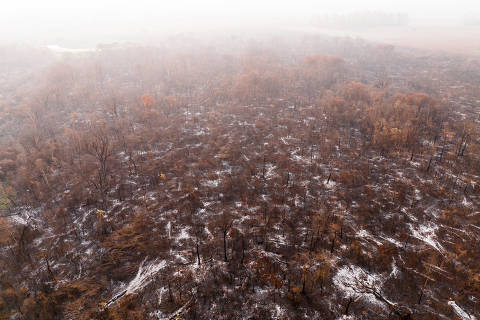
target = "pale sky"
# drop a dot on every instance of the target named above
(39, 19)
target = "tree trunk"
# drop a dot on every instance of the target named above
(243, 250)
(333, 242)
(225, 246)
(198, 253)
(350, 300)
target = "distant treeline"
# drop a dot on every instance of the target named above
(472, 20)
(362, 19)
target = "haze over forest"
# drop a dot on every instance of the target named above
(239, 160)
(86, 23)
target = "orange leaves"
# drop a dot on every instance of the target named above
(247, 84)
(421, 100)
(252, 86)
(357, 92)
(5, 232)
(296, 290)
(323, 60)
(336, 102)
(147, 100)
(448, 134)
(171, 101)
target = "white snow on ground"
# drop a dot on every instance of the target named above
(145, 275)
(183, 234)
(426, 233)
(415, 163)
(459, 312)
(349, 279)
(298, 158)
(157, 315)
(411, 216)
(18, 220)
(160, 293)
(278, 313)
(364, 234)
(207, 203)
(393, 241)
(211, 183)
(331, 184)
(395, 272)
(418, 195)
(269, 171)
(24, 215)
(279, 238)
(433, 210)
(169, 229)
(467, 203)
(180, 258)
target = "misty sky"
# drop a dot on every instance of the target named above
(46, 19)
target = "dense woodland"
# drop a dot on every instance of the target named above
(268, 177)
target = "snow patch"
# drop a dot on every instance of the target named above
(367, 235)
(395, 271)
(467, 203)
(426, 233)
(183, 234)
(145, 275)
(459, 311)
(393, 241)
(269, 171)
(16, 219)
(352, 280)
(211, 183)
(278, 313)
(329, 184)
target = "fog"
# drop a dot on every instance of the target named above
(85, 23)
(246, 159)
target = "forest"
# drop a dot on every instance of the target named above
(276, 176)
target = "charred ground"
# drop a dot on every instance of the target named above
(279, 177)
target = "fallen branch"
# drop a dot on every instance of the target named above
(180, 310)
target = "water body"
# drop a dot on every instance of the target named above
(58, 49)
